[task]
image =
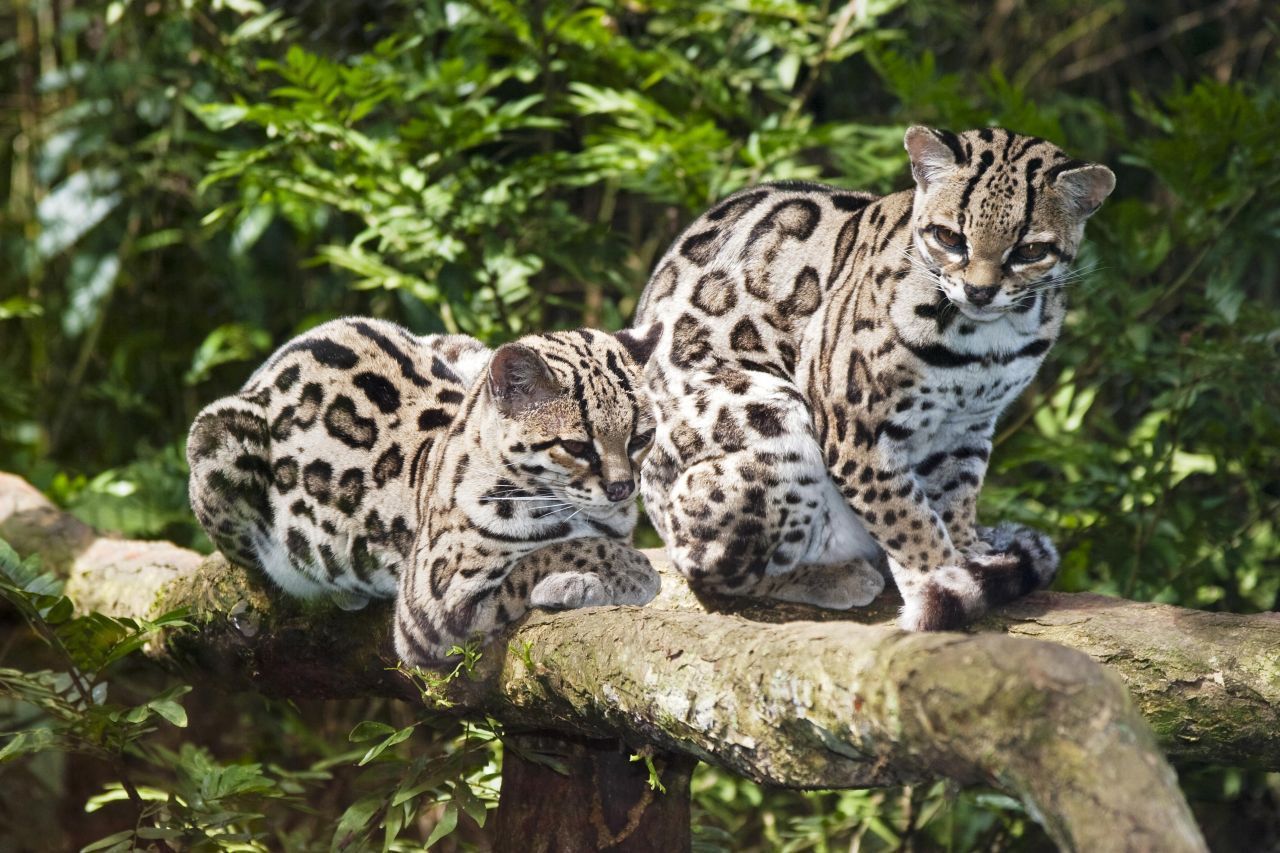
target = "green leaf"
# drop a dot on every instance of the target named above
(170, 710)
(19, 306)
(394, 739)
(368, 730)
(404, 795)
(174, 618)
(393, 824)
(470, 803)
(546, 759)
(25, 743)
(219, 116)
(448, 823)
(358, 815)
(9, 559)
(109, 841)
(228, 343)
(60, 611)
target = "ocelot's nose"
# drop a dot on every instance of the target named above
(619, 490)
(980, 295)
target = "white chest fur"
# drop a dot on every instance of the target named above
(955, 401)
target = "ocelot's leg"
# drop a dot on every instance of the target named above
(943, 585)
(952, 478)
(740, 494)
(475, 605)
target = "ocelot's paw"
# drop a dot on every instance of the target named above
(632, 580)
(839, 587)
(1034, 552)
(568, 591)
(1020, 561)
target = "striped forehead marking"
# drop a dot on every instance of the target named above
(593, 372)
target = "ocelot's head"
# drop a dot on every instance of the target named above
(998, 217)
(574, 417)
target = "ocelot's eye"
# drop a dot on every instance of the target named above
(640, 441)
(577, 448)
(1030, 252)
(950, 240)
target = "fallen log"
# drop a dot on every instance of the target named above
(821, 703)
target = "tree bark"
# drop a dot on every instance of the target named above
(821, 703)
(1208, 683)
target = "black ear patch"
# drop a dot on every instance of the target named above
(641, 342)
(519, 378)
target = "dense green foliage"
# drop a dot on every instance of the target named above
(189, 182)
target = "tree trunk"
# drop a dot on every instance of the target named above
(571, 795)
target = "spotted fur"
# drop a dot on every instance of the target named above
(364, 461)
(832, 366)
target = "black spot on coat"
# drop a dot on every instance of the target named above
(345, 424)
(380, 391)
(388, 466)
(317, 480)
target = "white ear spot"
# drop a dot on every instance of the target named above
(640, 342)
(1085, 188)
(933, 153)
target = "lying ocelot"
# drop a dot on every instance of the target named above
(364, 461)
(831, 371)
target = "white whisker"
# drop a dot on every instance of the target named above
(517, 500)
(553, 511)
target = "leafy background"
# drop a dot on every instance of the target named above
(187, 183)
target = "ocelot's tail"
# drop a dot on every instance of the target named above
(230, 475)
(1019, 561)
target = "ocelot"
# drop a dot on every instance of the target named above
(831, 368)
(364, 461)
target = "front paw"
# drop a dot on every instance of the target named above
(569, 591)
(633, 580)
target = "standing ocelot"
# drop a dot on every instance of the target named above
(832, 367)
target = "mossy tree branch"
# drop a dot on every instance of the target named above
(821, 703)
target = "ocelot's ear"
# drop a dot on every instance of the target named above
(933, 153)
(519, 379)
(640, 342)
(1085, 188)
